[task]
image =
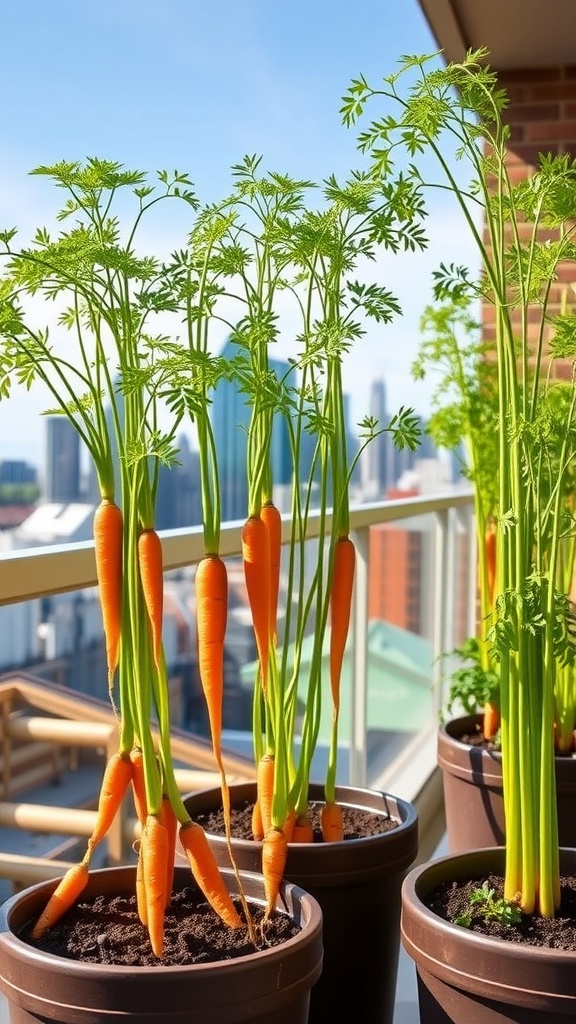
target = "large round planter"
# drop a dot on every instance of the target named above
(357, 884)
(267, 987)
(467, 978)
(473, 793)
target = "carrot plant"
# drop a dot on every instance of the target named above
(289, 259)
(275, 252)
(525, 237)
(134, 358)
(464, 407)
(108, 371)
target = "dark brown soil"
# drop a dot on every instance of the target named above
(477, 739)
(107, 931)
(357, 823)
(452, 899)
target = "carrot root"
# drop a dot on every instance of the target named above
(108, 541)
(274, 853)
(211, 618)
(332, 821)
(273, 521)
(206, 873)
(288, 827)
(65, 894)
(138, 785)
(490, 721)
(116, 780)
(154, 850)
(141, 889)
(170, 820)
(151, 568)
(257, 828)
(256, 562)
(340, 606)
(265, 790)
(303, 831)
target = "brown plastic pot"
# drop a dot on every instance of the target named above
(268, 987)
(467, 978)
(357, 884)
(473, 793)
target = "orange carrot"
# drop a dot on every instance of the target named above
(141, 888)
(138, 784)
(65, 894)
(108, 529)
(211, 619)
(206, 873)
(288, 827)
(274, 853)
(303, 831)
(154, 849)
(332, 823)
(273, 520)
(257, 828)
(170, 820)
(256, 561)
(117, 778)
(340, 605)
(265, 790)
(491, 721)
(152, 578)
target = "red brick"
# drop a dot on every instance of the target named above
(567, 273)
(563, 90)
(516, 93)
(563, 369)
(517, 171)
(520, 113)
(529, 154)
(562, 131)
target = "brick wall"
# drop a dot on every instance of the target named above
(541, 114)
(542, 117)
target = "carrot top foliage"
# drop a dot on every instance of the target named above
(125, 343)
(525, 237)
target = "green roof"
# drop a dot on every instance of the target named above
(399, 682)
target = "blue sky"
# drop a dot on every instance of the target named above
(196, 85)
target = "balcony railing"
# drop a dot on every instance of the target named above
(43, 714)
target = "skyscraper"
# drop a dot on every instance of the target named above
(231, 419)
(62, 484)
(376, 455)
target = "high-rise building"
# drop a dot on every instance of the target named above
(231, 418)
(14, 471)
(62, 483)
(376, 455)
(178, 503)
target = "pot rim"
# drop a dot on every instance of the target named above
(348, 796)
(476, 963)
(309, 923)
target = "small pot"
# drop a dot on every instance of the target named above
(468, 978)
(357, 884)
(473, 790)
(271, 986)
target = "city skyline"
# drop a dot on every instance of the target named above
(381, 467)
(274, 90)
